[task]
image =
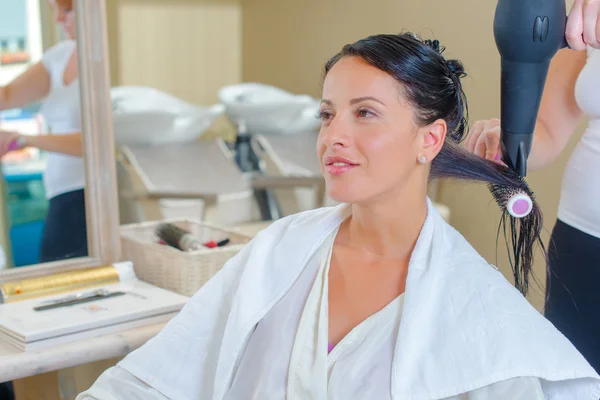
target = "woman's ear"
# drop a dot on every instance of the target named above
(433, 139)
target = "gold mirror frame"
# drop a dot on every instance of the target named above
(101, 204)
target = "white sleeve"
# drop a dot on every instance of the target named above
(522, 388)
(57, 56)
(117, 384)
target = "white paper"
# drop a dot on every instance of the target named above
(21, 324)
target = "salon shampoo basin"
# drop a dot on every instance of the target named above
(268, 110)
(147, 116)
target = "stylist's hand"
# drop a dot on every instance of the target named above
(6, 138)
(583, 25)
(484, 139)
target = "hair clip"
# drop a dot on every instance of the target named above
(433, 44)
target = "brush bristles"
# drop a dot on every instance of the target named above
(502, 194)
(170, 233)
(521, 234)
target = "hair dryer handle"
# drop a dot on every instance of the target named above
(522, 86)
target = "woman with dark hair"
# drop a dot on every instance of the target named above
(378, 298)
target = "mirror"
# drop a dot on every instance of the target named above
(58, 207)
(42, 197)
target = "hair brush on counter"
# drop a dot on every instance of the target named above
(178, 237)
(183, 240)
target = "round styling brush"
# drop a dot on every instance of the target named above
(178, 237)
(522, 223)
(517, 202)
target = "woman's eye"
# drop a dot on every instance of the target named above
(364, 113)
(324, 115)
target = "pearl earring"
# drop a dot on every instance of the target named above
(422, 159)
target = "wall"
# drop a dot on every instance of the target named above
(189, 48)
(49, 29)
(286, 43)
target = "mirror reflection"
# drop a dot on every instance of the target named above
(42, 203)
(195, 138)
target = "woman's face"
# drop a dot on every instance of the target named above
(369, 143)
(64, 16)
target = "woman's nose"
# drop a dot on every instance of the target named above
(336, 133)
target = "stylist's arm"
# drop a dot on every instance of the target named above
(31, 86)
(70, 144)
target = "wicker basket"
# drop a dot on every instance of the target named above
(173, 269)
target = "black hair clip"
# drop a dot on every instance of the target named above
(433, 45)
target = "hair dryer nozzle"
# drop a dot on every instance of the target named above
(515, 151)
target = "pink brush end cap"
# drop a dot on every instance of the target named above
(519, 205)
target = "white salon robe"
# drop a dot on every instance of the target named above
(360, 365)
(460, 332)
(286, 357)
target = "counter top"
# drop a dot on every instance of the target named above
(16, 364)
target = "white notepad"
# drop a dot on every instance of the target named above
(142, 304)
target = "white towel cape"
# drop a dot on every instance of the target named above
(464, 326)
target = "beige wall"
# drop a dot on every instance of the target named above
(48, 26)
(189, 48)
(286, 42)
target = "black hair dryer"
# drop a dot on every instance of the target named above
(528, 34)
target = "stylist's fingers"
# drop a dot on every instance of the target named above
(4, 142)
(480, 146)
(492, 144)
(6, 138)
(475, 142)
(583, 25)
(591, 16)
(474, 134)
(479, 128)
(3, 148)
(487, 145)
(574, 29)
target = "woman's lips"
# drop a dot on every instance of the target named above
(336, 165)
